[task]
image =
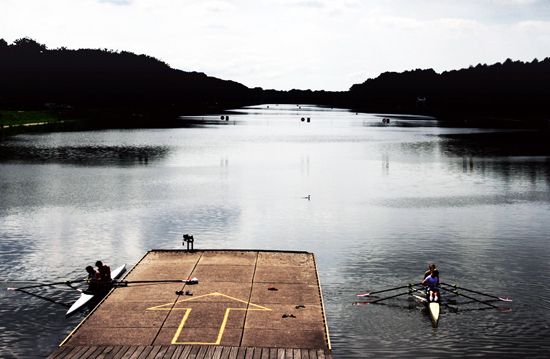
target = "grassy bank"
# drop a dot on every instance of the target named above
(20, 118)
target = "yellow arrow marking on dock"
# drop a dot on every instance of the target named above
(170, 306)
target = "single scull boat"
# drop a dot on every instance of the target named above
(434, 305)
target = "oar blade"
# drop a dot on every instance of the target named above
(456, 288)
(504, 309)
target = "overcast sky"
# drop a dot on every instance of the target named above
(285, 44)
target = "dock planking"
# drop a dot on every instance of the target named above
(247, 304)
(189, 352)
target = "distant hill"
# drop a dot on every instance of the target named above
(33, 76)
(509, 89)
(99, 83)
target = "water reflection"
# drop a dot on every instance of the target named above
(207, 121)
(491, 143)
(466, 200)
(82, 155)
(385, 201)
(385, 164)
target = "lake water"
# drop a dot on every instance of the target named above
(385, 201)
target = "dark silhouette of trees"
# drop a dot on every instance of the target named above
(509, 89)
(33, 76)
(121, 83)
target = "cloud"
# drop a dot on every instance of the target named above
(308, 4)
(318, 44)
(219, 6)
(117, 2)
(514, 2)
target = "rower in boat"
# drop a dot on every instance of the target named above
(93, 280)
(104, 272)
(431, 268)
(432, 295)
(99, 281)
(96, 289)
(432, 284)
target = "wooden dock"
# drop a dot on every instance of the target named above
(247, 304)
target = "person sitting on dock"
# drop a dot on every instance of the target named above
(93, 280)
(432, 283)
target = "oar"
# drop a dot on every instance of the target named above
(67, 282)
(43, 298)
(381, 299)
(125, 282)
(70, 286)
(387, 290)
(503, 299)
(472, 298)
(411, 290)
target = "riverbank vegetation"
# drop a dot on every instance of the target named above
(107, 88)
(29, 118)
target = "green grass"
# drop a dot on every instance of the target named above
(16, 118)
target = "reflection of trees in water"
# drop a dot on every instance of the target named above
(509, 143)
(509, 169)
(512, 156)
(83, 155)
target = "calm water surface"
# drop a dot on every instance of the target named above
(385, 201)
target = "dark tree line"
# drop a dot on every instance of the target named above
(509, 89)
(32, 76)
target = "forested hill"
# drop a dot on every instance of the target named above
(33, 75)
(509, 89)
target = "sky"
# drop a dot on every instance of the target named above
(286, 44)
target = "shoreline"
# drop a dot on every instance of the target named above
(14, 122)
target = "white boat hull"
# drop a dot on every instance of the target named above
(433, 307)
(80, 302)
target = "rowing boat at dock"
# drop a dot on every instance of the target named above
(85, 297)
